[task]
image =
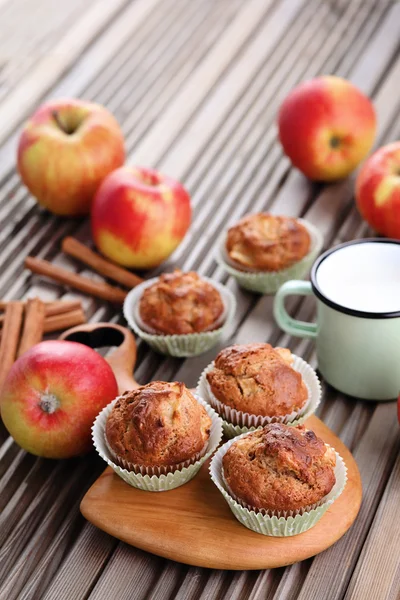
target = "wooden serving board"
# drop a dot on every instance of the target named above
(194, 525)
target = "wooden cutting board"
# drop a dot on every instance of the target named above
(193, 524)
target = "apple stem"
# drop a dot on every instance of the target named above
(56, 117)
(335, 142)
(49, 403)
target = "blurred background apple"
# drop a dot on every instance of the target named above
(378, 190)
(139, 217)
(327, 127)
(65, 150)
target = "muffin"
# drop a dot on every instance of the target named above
(279, 469)
(181, 303)
(257, 379)
(265, 242)
(157, 425)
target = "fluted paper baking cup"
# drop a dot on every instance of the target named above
(230, 430)
(181, 345)
(164, 481)
(236, 422)
(269, 282)
(280, 524)
(153, 470)
(275, 513)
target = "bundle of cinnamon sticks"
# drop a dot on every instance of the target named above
(23, 324)
(89, 286)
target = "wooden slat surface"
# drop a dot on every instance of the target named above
(380, 578)
(196, 87)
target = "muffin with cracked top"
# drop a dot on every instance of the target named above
(265, 242)
(257, 379)
(158, 425)
(279, 468)
(181, 303)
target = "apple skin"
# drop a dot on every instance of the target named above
(66, 376)
(63, 170)
(398, 409)
(378, 190)
(139, 217)
(326, 127)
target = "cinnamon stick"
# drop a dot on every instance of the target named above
(84, 284)
(59, 321)
(54, 307)
(64, 320)
(10, 338)
(61, 306)
(99, 264)
(32, 331)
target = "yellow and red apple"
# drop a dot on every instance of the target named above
(398, 409)
(139, 217)
(65, 150)
(326, 127)
(378, 190)
(52, 395)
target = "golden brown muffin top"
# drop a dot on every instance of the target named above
(265, 242)
(158, 424)
(280, 468)
(258, 379)
(181, 303)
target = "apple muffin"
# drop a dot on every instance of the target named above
(257, 379)
(279, 468)
(158, 424)
(181, 303)
(265, 242)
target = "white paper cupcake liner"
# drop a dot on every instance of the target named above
(182, 345)
(269, 282)
(153, 470)
(164, 481)
(236, 422)
(286, 523)
(275, 513)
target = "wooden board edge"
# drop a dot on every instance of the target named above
(93, 516)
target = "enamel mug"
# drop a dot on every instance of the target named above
(357, 333)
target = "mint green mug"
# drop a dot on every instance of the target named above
(357, 333)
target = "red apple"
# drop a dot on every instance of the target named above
(139, 217)
(378, 190)
(398, 409)
(65, 150)
(52, 395)
(326, 127)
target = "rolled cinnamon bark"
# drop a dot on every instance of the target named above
(84, 284)
(58, 322)
(32, 332)
(99, 264)
(10, 338)
(61, 306)
(54, 307)
(64, 321)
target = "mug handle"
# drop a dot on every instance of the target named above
(284, 320)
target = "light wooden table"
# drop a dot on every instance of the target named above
(195, 86)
